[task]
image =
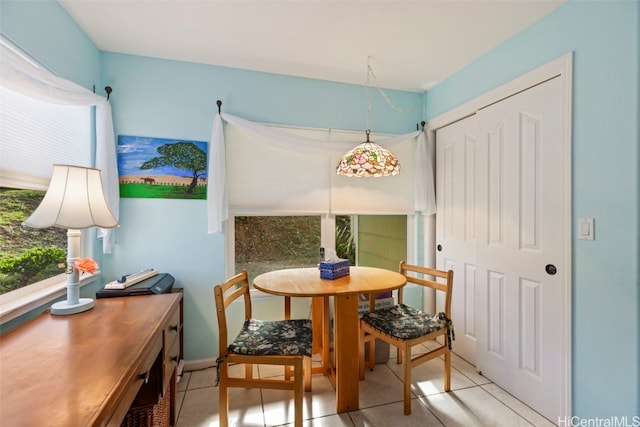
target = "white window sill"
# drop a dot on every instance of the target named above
(16, 303)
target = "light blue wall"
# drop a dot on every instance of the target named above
(604, 37)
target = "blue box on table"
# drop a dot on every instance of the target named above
(334, 269)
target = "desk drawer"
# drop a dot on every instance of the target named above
(145, 370)
(171, 349)
(172, 357)
(132, 396)
(172, 328)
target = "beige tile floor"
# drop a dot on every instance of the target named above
(473, 401)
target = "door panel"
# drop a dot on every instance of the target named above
(456, 226)
(520, 342)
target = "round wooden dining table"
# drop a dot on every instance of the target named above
(306, 282)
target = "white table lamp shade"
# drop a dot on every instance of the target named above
(74, 200)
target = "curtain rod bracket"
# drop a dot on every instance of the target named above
(219, 104)
(108, 90)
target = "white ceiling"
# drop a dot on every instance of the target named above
(410, 45)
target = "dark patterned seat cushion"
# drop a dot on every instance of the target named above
(273, 337)
(402, 321)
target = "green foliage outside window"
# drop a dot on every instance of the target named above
(23, 269)
(345, 242)
(27, 255)
(265, 243)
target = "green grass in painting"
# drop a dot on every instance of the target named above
(161, 191)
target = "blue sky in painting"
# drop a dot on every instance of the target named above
(133, 151)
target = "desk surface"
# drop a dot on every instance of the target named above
(74, 370)
(306, 282)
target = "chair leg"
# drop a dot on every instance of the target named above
(307, 373)
(372, 354)
(361, 355)
(298, 392)
(289, 372)
(223, 397)
(326, 329)
(407, 380)
(447, 370)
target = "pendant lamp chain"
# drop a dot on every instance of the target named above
(368, 93)
(371, 73)
(368, 159)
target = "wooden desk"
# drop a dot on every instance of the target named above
(306, 282)
(86, 369)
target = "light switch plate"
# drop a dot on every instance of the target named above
(586, 229)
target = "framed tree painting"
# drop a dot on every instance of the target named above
(162, 168)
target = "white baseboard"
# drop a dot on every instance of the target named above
(200, 364)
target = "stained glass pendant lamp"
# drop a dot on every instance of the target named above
(368, 159)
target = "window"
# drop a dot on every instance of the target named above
(265, 243)
(28, 255)
(270, 186)
(34, 135)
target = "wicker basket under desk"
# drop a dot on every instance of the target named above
(157, 415)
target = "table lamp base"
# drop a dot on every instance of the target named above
(63, 307)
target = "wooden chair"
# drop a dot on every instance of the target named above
(405, 327)
(278, 342)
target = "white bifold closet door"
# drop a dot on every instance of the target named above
(501, 225)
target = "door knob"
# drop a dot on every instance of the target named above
(439, 247)
(551, 269)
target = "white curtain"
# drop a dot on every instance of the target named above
(216, 177)
(21, 75)
(217, 208)
(424, 196)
